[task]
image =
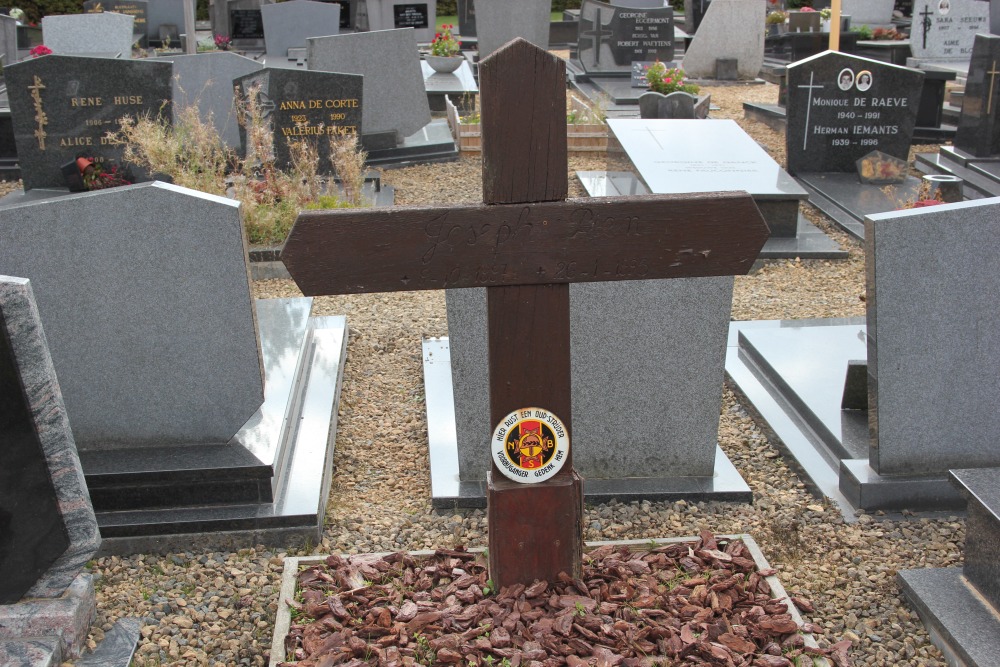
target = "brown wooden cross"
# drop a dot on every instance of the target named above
(525, 245)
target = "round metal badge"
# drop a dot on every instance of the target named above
(530, 445)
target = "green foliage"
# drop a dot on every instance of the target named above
(328, 202)
(34, 10)
(863, 31)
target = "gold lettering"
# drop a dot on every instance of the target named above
(292, 104)
(76, 141)
(86, 102)
(127, 99)
(342, 104)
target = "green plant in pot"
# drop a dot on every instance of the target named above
(445, 55)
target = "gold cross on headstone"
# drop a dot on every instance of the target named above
(993, 77)
(525, 245)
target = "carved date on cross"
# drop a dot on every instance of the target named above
(526, 244)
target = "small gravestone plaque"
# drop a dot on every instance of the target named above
(842, 107)
(410, 16)
(612, 38)
(946, 29)
(246, 24)
(64, 106)
(978, 129)
(138, 9)
(304, 106)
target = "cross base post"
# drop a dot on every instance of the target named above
(542, 532)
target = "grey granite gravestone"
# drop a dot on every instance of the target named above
(205, 81)
(841, 107)
(137, 9)
(306, 106)
(931, 339)
(647, 380)
(694, 12)
(724, 33)
(612, 38)
(167, 337)
(944, 30)
(8, 40)
(163, 12)
(421, 15)
(395, 97)
(978, 126)
(48, 530)
(79, 34)
(499, 22)
(289, 24)
(63, 106)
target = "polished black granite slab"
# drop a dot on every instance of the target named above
(32, 532)
(807, 240)
(432, 143)
(959, 622)
(982, 530)
(847, 201)
(294, 430)
(449, 492)
(790, 375)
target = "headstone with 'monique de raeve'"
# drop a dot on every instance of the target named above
(526, 244)
(842, 107)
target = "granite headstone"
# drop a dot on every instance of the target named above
(246, 24)
(944, 30)
(205, 81)
(48, 530)
(137, 9)
(499, 22)
(724, 33)
(466, 18)
(395, 96)
(107, 34)
(304, 105)
(289, 24)
(63, 106)
(164, 12)
(145, 296)
(841, 107)
(978, 126)
(694, 12)
(8, 40)
(932, 339)
(611, 38)
(421, 15)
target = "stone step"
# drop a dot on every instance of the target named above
(981, 486)
(31, 652)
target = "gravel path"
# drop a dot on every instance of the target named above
(218, 608)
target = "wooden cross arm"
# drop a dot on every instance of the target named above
(576, 240)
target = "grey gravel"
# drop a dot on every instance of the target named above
(219, 608)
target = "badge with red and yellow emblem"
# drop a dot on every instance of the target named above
(530, 445)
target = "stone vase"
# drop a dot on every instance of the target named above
(445, 64)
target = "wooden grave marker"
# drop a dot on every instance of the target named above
(525, 245)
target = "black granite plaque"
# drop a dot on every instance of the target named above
(467, 18)
(136, 8)
(246, 24)
(64, 106)
(694, 12)
(345, 12)
(32, 532)
(410, 16)
(978, 129)
(842, 107)
(305, 106)
(612, 38)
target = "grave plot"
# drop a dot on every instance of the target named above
(886, 438)
(162, 357)
(975, 155)
(675, 156)
(396, 118)
(288, 25)
(841, 110)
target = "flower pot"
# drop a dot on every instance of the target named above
(672, 105)
(445, 64)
